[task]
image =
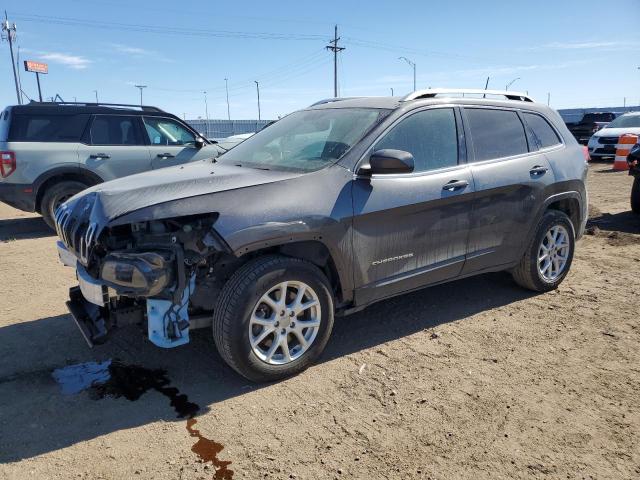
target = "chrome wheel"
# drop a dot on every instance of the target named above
(553, 253)
(284, 323)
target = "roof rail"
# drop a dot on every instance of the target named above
(331, 100)
(147, 108)
(433, 92)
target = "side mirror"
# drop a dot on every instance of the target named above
(199, 142)
(388, 161)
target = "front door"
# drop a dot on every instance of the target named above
(170, 143)
(115, 147)
(410, 230)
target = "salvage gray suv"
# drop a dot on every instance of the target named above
(325, 212)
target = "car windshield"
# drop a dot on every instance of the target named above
(625, 121)
(305, 141)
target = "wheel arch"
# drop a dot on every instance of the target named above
(314, 251)
(57, 175)
(569, 204)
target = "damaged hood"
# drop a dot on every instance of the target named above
(119, 197)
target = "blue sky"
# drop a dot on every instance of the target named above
(585, 53)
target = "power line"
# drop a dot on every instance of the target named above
(165, 30)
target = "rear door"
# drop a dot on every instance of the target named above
(171, 143)
(410, 230)
(511, 177)
(115, 147)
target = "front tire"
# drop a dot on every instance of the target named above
(55, 196)
(547, 260)
(635, 196)
(273, 318)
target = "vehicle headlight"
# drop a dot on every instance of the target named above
(138, 274)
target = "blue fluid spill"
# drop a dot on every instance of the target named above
(76, 378)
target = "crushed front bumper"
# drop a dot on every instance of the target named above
(89, 317)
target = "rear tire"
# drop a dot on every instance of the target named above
(635, 196)
(538, 270)
(57, 194)
(250, 305)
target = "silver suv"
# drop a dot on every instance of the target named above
(51, 151)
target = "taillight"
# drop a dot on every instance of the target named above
(585, 152)
(7, 163)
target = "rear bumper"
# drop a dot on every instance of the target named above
(19, 195)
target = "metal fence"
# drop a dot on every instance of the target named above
(226, 128)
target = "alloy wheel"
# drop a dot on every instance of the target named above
(284, 323)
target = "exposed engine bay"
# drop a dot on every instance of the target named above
(165, 273)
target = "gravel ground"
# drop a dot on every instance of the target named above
(474, 379)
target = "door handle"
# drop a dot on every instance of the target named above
(538, 170)
(100, 156)
(454, 185)
(165, 155)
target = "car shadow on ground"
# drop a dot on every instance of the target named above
(21, 228)
(36, 418)
(625, 222)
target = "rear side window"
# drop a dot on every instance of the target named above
(496, 133)
(430, 136)
(115, 130)
(47, 128)
(544, 134)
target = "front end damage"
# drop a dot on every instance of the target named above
(162, 274)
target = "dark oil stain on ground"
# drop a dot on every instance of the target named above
(208, 451)
(131, 382)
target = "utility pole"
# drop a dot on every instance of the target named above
(9, 34)
(258, 91)
(548, 99)
(141, 87)
(206, 113)
(333, 46)
(226, 86)
(413, 65)
(19, 78)
(486, 85)
(96, 92)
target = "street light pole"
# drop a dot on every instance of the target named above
(258, 91)
(206, 112)
(511, 83)
(96, 92)
(413, 65)
(141, 87)
(392, 91)
(226, 86)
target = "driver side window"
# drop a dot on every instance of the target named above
(430, 136)
(165, 132)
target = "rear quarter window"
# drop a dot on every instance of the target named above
(47, 128)
(544, 135)
(496, 133)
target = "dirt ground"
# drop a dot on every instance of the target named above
(474, 379)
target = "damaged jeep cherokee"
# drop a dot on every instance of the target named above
(323, 213)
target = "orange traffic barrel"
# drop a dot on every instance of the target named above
(625, 143)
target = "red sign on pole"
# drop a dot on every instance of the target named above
(36, 67)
